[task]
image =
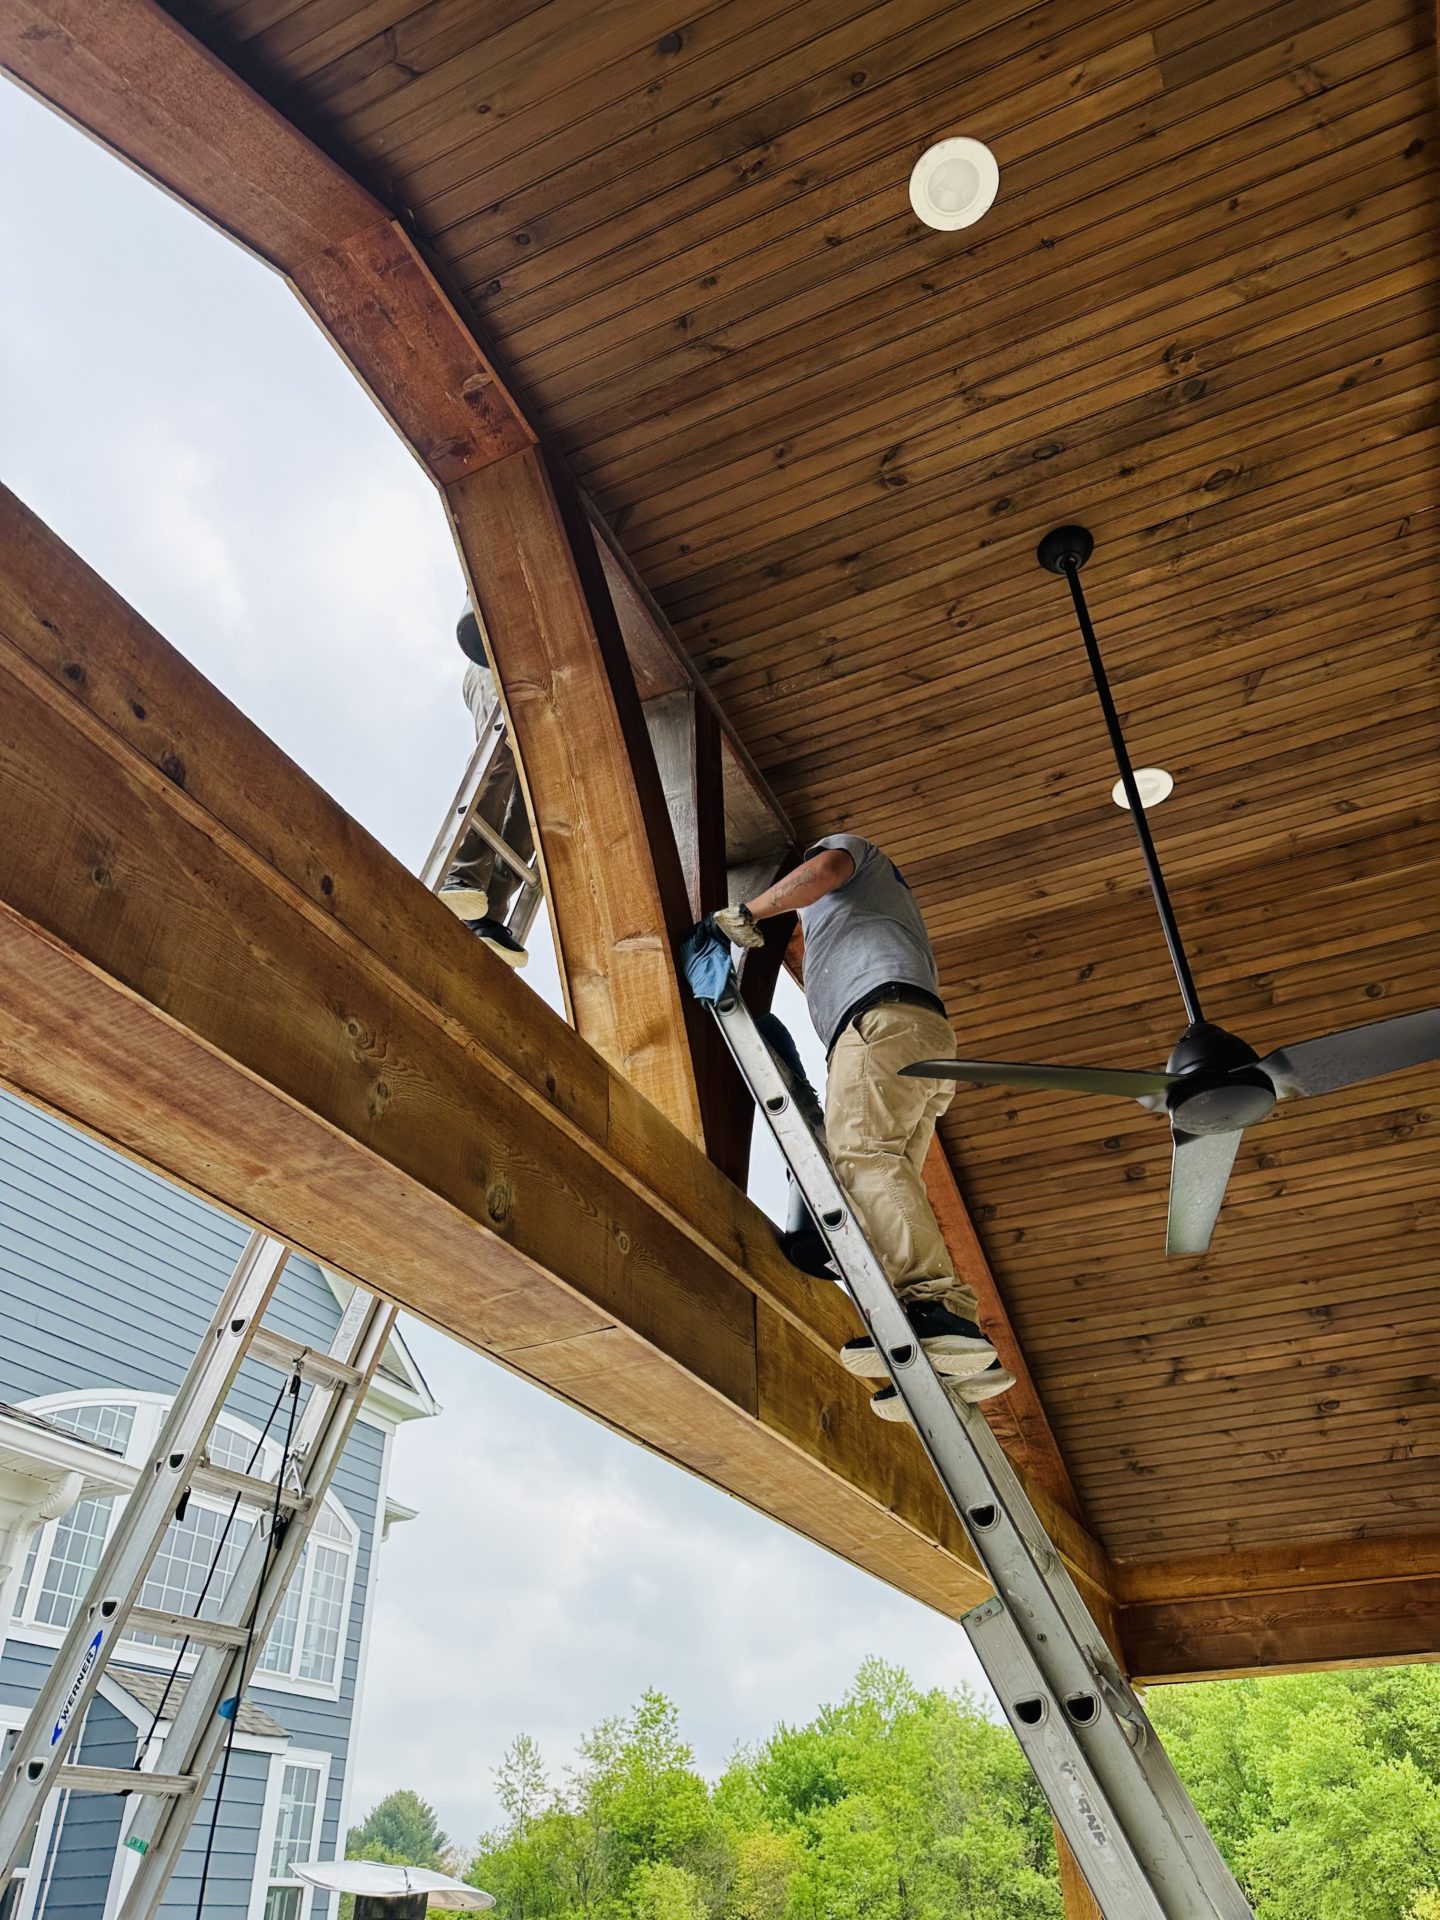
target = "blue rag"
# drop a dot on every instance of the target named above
(705, 958)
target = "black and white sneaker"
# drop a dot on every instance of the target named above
(953, 1346)
(466, 903)
(501, 942)
(887, 1404)
(984, 1386)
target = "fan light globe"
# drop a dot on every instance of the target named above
(1155, 785)
(953, 183)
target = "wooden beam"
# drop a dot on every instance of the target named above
(128, 74)
(614, 881)
(1293, 1608)
(1018, 1417)
(203, 960)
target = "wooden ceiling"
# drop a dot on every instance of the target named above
(1200, 317)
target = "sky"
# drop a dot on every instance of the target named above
(167, 407)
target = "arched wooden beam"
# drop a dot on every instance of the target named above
(133, 78)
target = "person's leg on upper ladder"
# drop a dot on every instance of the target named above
(879, 1125)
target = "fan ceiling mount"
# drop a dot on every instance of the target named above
(1214, 1084)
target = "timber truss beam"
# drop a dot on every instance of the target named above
(208, 963)
(129, 75)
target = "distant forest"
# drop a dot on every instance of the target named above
(1322, 1790)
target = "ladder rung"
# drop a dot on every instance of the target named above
(261, 1493)
(207, 1633)
(124, 1780)
(279, 1350)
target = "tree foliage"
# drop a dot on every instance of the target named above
(1322, 1790)
(402, 1829)
(892, 1805)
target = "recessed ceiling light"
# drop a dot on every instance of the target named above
(954, 183)
(1155, 785)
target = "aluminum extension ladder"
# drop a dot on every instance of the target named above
(1140, 1844)
(231, 1644)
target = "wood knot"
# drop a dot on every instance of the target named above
(73, 670)
(497, 1201)
(173, 768)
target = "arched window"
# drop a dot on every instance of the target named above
(199, 1555)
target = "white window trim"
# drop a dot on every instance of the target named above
(126, 1863)
(150, 1411)
(12, 1719)
(270, 1820)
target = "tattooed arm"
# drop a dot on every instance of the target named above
(807, 883)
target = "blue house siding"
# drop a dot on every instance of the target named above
(89, 1829)
(232, 1866)
(108, 1279)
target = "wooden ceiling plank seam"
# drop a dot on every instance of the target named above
(312, 38)
(1129, 416)
(1101, 849)
(705, 486)
(782, 596)
(1317, 1564)
(801, 413)
(871, 143)
(1137, 580)
(913, 689)
(1091, 844)
(1071, 794)
(771, 48)
(611, 355)
(744, 153)
(1212, 626)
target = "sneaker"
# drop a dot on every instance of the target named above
(984, 1386)
(501, 942)
(887, 1404)
(952, 1345)
(466, 903)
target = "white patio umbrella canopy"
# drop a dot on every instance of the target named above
(375, 1878)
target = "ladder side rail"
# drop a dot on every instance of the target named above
(1080, 1675)
(119, 1578)
(198, 1731)
(462, 815)
(1080, 1805)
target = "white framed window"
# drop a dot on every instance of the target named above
(305, 1651)
(290, 1831)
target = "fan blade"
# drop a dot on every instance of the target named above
(1199, 1169)
(1359, 1053)
(1122, 1081)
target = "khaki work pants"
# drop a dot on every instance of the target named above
(879, 1126)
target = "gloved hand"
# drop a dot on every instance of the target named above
(737, 925)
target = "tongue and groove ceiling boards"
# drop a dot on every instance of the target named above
(1201, 318)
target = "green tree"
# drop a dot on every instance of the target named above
(404, 1827)
(1321, 1789)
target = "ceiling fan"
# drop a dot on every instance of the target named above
(1214, 1085)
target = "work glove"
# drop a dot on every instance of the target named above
(737, 925)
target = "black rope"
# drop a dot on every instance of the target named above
(214, 1567)
(272, 1547)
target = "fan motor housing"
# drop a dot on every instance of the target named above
(1220, 1085)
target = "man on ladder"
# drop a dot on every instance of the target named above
(480, 888)
(873, 991)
